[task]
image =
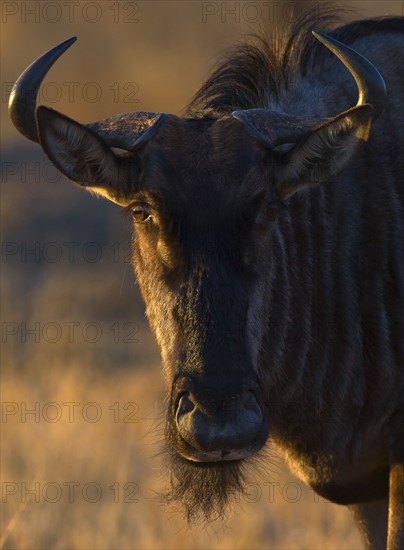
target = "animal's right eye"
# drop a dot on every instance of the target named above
(140, 213)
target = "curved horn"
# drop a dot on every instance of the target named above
(126, 130)
(23, 97)
(372, 89)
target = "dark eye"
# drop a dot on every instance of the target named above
(140, 213)
(272, 210)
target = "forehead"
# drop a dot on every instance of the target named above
(204, 161)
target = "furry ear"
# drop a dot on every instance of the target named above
(82, 156)
(324, 151)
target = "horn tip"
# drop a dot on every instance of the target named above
(321, 37)
(22, 100)
(63, 46)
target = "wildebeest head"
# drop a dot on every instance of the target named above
(205, 194)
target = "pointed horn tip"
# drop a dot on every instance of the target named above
(321, 37)
(20, 103)
(70, 41)
(61, 48)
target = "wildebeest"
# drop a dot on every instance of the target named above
(269, 248)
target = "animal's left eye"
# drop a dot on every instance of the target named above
(140, 213)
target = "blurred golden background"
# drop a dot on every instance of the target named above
(82, 395)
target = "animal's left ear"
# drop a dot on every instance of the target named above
(324, 151)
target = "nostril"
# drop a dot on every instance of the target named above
(185, 404)
(250, 401)
(186, 417)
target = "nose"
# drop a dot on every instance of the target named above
(231, 425)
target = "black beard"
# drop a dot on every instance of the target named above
(204, 490)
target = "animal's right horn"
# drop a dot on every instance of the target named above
(126, 130)
(23, 97)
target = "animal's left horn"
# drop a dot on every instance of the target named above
(23, 97)
(371, 86)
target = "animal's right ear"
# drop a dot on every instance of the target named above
(84, 157)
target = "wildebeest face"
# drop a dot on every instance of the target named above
(203, 218)
(204, 195)
(204, 206)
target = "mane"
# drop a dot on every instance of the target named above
(254, 73)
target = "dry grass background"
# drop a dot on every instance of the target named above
(170, 50)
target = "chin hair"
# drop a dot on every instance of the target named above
(204, 491)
